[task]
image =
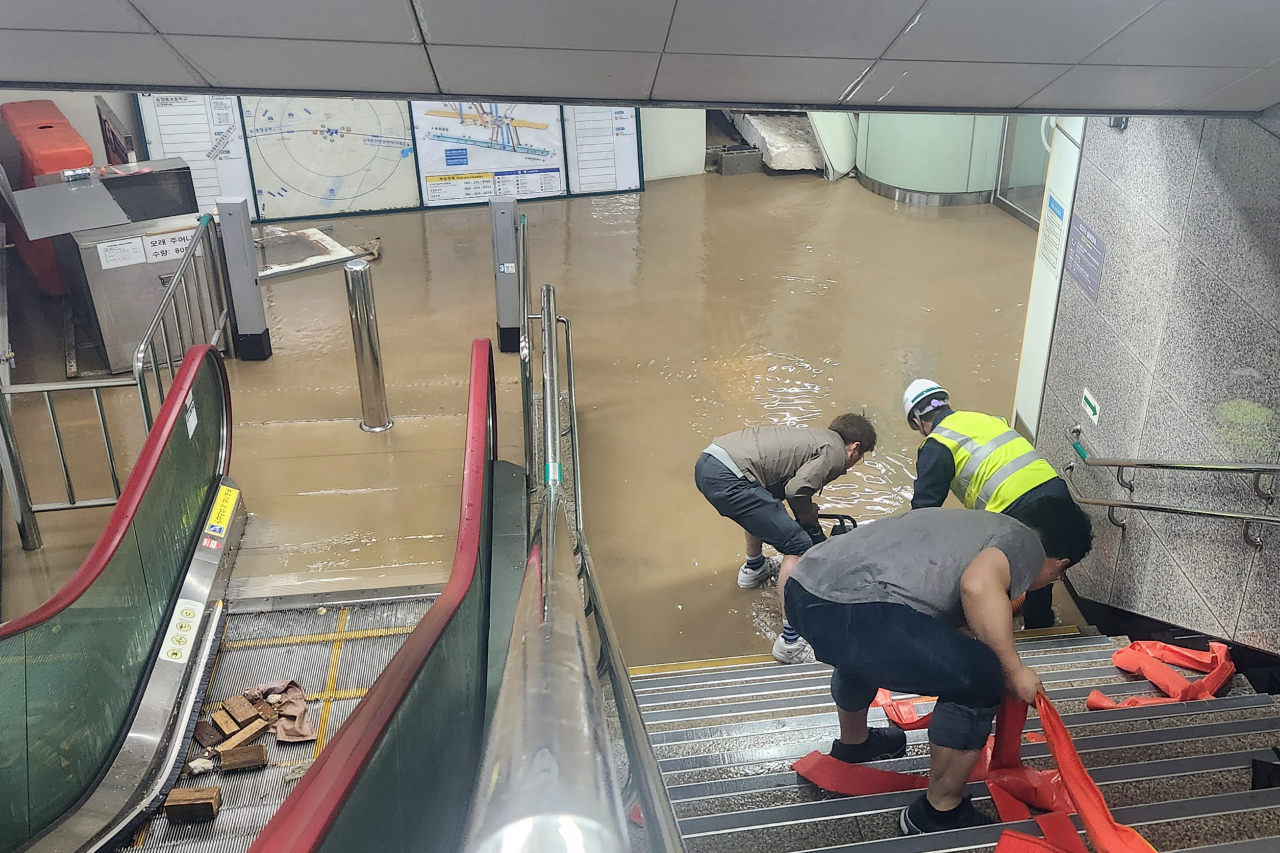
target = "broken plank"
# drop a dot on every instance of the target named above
(225, 724)
(244, 758)
(193, 805)
(266, 710)
(246, 735)
(240, 709)
(206, 735)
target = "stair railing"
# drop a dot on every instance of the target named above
(1247, 520)
(644, 781)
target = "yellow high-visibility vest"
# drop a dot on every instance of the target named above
(995, 465)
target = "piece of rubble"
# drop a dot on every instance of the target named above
(193, 805)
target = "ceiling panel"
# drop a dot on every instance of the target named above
(1106, 87)
(1036, 31)
(377, 20)
(31, 56)
(1258, 91)
(94, 16)
(973, 85)
(550, 74)
(755, 79)
(1235, 33)
(833, 28)
(276, 64)
(637, 25)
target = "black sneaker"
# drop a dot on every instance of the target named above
(921, 817)
(882, 742)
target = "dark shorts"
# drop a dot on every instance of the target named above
(886, 645)
(750, 505)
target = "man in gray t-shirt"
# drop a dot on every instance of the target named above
(921, 603)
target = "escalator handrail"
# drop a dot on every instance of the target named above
(135, 489)
(304, 819)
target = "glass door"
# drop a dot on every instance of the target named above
(1023, 164)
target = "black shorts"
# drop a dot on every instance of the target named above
(750, 505)
(881, 644)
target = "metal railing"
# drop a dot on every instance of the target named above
(1258, 470)
(11, 460)
(644, 782)
(202, 317)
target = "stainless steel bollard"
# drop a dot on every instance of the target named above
(364, 333)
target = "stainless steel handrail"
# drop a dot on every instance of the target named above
(1257, 469)
(1081, 448)
(211, 286)
(11, 460)
(645, 780)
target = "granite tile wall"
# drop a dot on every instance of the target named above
(1181, 350)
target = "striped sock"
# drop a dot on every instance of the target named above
(755, 562)
(789, 635)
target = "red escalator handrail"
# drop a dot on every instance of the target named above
(127, 505)
(303, 820)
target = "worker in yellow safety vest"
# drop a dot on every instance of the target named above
(986, 464)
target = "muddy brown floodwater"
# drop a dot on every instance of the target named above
(699, 306)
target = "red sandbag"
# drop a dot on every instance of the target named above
(1107, 835)
(1018, 842)
(1061, 832)
(1150, 659)
(1039, 788)
(854, 780)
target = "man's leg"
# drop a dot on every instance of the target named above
(1037, 610)
(949, 773)
(754, 545)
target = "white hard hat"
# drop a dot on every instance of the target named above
(918, 391)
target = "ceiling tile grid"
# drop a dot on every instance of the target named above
(1028, 55)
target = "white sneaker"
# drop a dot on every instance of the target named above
(798, 652)
(752, 578)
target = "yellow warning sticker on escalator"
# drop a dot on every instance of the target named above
(223, 507)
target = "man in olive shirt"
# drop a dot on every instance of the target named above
(922, 603)
(746, 475)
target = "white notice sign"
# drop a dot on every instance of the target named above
(121, 253)
(167, 246)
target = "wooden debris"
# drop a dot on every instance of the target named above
(246, 735)
(244, 758)
(193, 805)
(225, 724)
(206, 735)
(265, 711)
(240, 709)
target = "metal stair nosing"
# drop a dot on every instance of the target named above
(822, 681)
(777, 725)
(764, 674)
(1092, 743)
(987, 836)
(844, 807)
(819, 700)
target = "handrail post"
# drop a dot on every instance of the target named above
(550, 390)
(16, 479)
(364, 333)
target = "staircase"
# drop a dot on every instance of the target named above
(726, 733)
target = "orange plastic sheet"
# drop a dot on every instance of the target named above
(901, 712)
(1151, 660)
(1014, 788)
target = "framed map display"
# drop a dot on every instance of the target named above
(329, 156)
(469, 152)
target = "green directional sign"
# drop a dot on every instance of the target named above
(1089, 405)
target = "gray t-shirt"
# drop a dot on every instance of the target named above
(917, 559)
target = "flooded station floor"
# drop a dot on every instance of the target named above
(701, 305)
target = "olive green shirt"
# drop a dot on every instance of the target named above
(790, 462)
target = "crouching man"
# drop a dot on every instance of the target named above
(746, 475)
(921, 603)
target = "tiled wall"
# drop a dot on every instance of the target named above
(1182, 353)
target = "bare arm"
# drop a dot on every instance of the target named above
(984, 594)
